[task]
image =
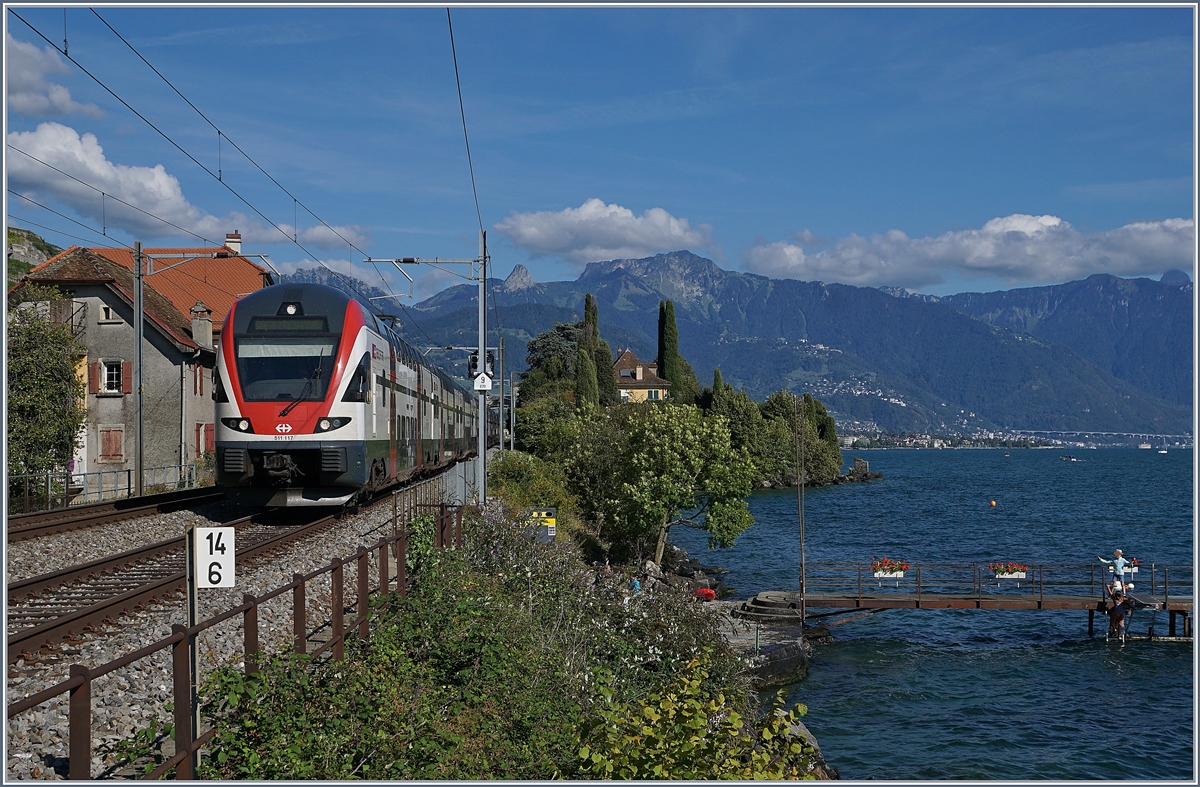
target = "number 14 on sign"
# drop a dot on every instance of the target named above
(214, 557)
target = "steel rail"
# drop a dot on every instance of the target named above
(21, 527)
(22, 643)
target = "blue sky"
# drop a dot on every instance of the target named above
(941, 150)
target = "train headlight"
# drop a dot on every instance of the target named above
(291, 308)
(328, 424)
(238, 425)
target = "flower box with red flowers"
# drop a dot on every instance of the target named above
(1007, 570)
(885, 568)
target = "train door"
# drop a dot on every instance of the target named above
(391, 398)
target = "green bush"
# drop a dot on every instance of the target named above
(689, 732)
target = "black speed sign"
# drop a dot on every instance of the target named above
(214, 557)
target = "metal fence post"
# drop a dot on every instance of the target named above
(458, 534)
(79, 706)
(250, 633)
(183, 700)
(918, 586)
(299, 626)
(336, 580)
(364, 568)
(383, 567)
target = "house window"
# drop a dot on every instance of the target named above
(652, 394)
(108, 315)
(112, 443)
(112, 377)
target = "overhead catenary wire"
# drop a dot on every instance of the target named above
(25, 220)
(222, 135)
(104, 193)
(463, 112)
(196, 161)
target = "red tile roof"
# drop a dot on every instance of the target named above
(215, 282)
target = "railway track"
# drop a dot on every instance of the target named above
(45, 610)
(60, 520)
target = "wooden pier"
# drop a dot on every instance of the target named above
(855, 586)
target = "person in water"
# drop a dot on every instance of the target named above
(1118, 613)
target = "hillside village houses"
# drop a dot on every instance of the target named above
(186, 301)
(638, 382)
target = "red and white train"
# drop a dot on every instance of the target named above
(319, 403)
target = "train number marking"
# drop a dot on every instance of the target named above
(284, 437)
(214, 557)
(283, 428)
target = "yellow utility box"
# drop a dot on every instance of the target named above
(542, 521)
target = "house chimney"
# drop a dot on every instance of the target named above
(233, 241)
(639, 371)
(202, 332)
(653, 369)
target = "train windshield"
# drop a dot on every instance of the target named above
(285, 368)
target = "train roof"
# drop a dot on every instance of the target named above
(331, 303)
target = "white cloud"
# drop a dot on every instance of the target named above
(29, 93)
(1018, 249)
(151, 189)
(596, 231)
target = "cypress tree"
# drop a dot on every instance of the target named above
(605, 377)
(670, 366)
(590, 338)
(587, 393)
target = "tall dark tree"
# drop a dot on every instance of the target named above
(587, 392)
(606, 378)
(589, 338)
(670, 366)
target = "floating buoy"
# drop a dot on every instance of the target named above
(993, 504)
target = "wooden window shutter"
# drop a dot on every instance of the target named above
(210, 438)
(112, 443)
(94, 377)
(126, 377)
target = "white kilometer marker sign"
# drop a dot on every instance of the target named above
(483, 383)
(214, 557)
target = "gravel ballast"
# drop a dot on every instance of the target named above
(129, 698)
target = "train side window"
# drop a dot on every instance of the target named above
(218, 387)
(360, 385)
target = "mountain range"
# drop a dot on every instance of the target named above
(1103, 354)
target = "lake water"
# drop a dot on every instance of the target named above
(987, 694)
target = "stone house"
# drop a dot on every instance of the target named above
(638, 382)
(185, 303)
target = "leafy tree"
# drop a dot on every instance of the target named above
(822, 454)
(605, 377)
(46, 405)
(587, 392)
(640, 466)
(544, 427)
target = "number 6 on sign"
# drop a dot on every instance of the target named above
(214, 557)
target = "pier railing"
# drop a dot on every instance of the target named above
(976, 580)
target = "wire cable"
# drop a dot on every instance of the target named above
(56, 213)
(180, 148)
(221, 134)
(24, 220)
(112, 197)
(463, 112)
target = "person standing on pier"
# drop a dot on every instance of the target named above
(1118, 563)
